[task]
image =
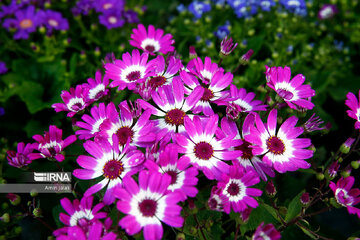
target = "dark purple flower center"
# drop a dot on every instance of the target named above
(246, 150)
(150, 48)
(175, 117)
(133, 76)
(76, 107)
(173, 175)
(207, 95)
(148, 207)
(123, 134)
(157, 81)
(212, 203)
(26, 23)
(285, 94)
(233, 189)
(275, 145)
(52, 151)
(203, 150)
(113, 169)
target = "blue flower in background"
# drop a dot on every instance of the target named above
(223, 30)
(295, 6)
(199, 8)
(266, 5)
(181, 8)
(339, 45)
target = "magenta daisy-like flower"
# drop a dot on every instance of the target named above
(22, 157)
(148, 204)
(109, 162)
(91, 124)
(182, 180)
(235, 189)
(129, 71)
(173, 107)
(216, 202)
(281, 148)
(164, 73)
(152, 41)
(294, 93)
(346, 196)
(353, 103)
(213, 92)
(201, 148)
(266, 232)
(79, 213)
(204, 71)
(245, 101)
(97, 87)
(96, 230)
(51, 144)
(126, 128)
(247, 160)
(74, 101)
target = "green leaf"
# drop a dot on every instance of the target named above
(294, 207)
(56, 212)
(271, 210)
(257, 216)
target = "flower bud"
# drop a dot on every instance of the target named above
(33, 193)
(244, 215)
(180, 236)
(5, 218)
(193, 230)
(320, 176)
(270, 189)
(13, 198)
(305, 199)
(345, 147)
(18, 230)
(192, 207)
(333, 169)
(97, 52)
(192, 52)
(37, 212)
(355, 164)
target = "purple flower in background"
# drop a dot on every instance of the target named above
(53, 20)
(108, 5)
(3, 68)
(227, 46)
(327, 11)
(26, 22)
(131, 16)
(83, 7)
(97, 87)
(266, 5)
(313, 124)
(112, 19)
(199, 8)
(10, 9)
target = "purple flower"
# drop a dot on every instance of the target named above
(266, 5)
(97, 86)
(109, 5)
(295, 6)
(199, 8)
(112, 19)
(26, 22)
(327, 11)
(3, 68)
(10, 9)
(227, 46)
(22, 157)
(282, 149)
(74, 101)
(51, 144)
(182, 180)
(83, 7)
(293, 92)
(215, 202)
(110, 163)
(235, 189)
(131, 16)
(267, 231)
(53, 20)
(203, 150)
(80, 213)
(147, 204)
(353, 103)
(346, 196)
(313, 124)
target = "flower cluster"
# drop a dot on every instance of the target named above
(112, 12)
(189, 122)
(23, 18)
